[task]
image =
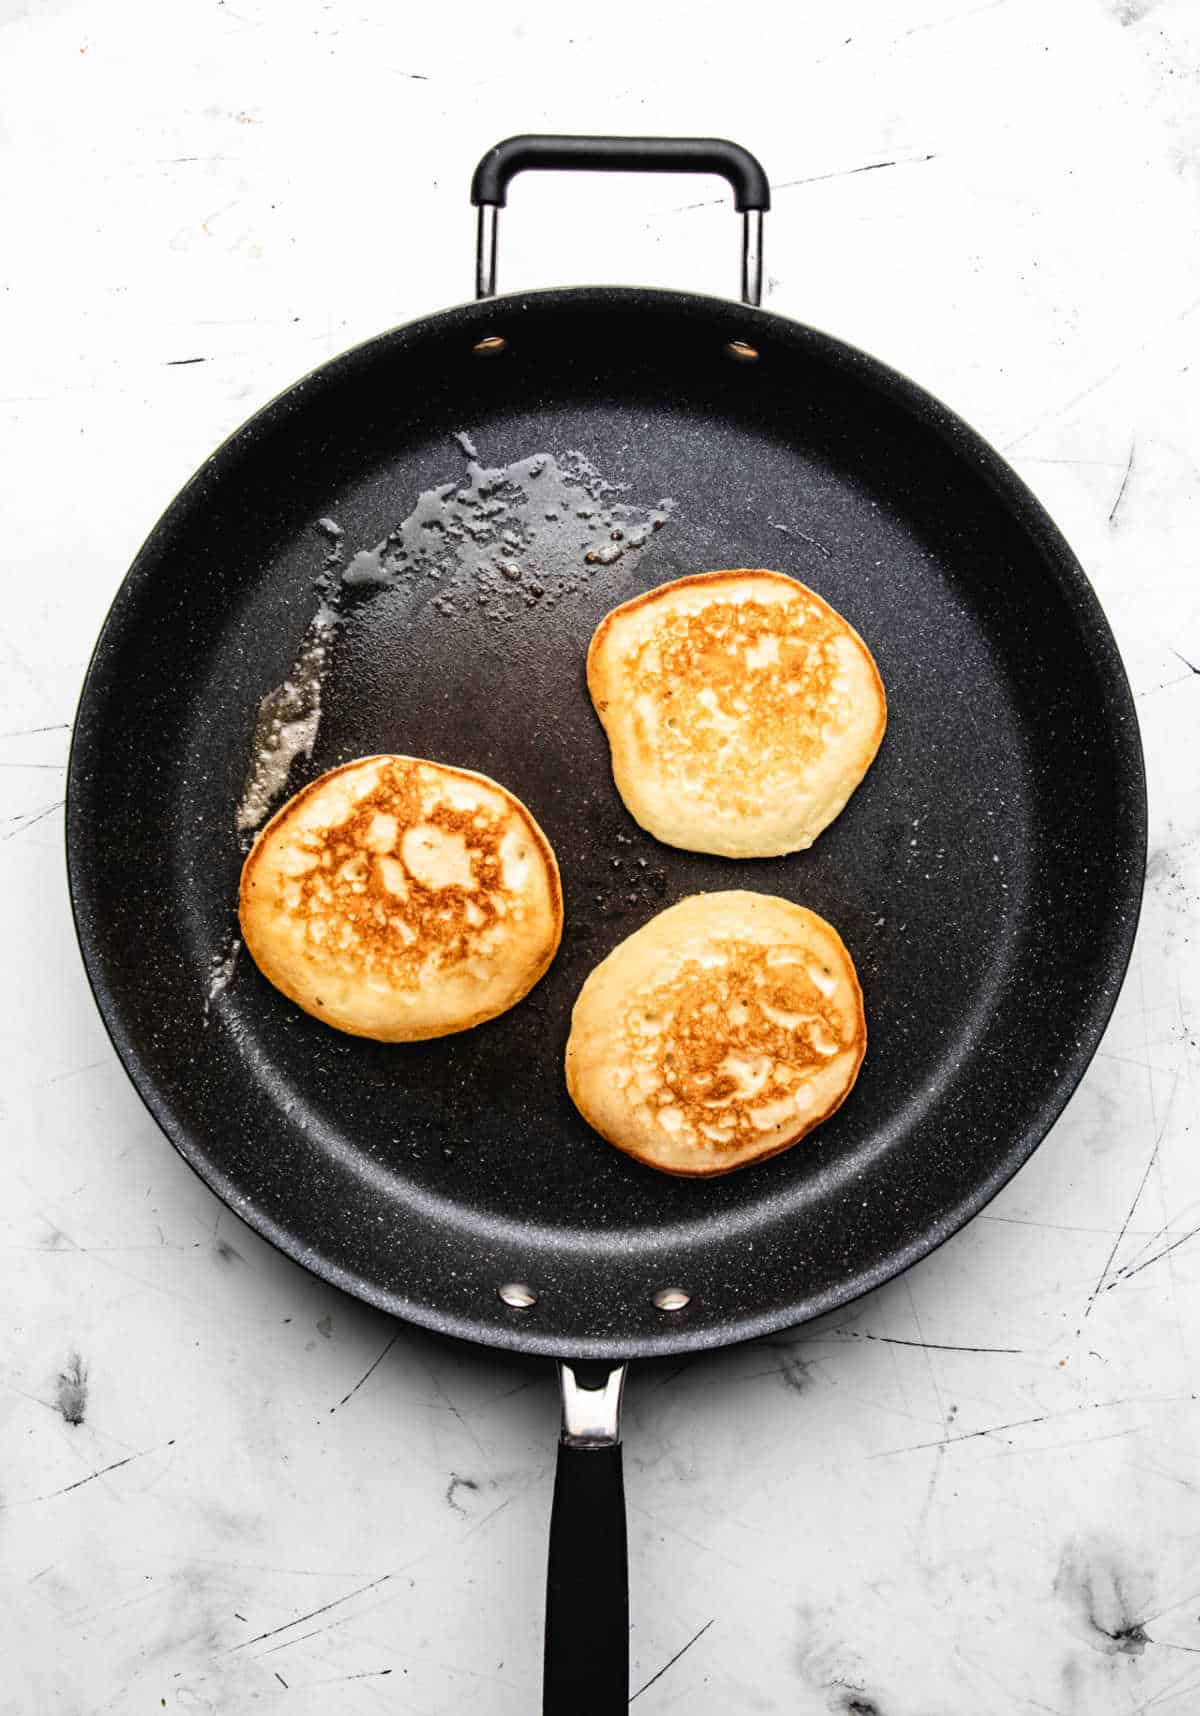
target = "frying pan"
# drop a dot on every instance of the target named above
(986, 876)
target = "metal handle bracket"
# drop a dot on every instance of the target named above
(591, 1404)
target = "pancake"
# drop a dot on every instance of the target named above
(400, 899)
(741, 710)
(718, 1034)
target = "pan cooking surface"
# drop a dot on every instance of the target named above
(984, 876)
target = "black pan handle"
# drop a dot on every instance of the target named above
(751, 191)
(587, 1582)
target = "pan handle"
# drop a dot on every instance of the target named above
(587, 1583)
(751, 190)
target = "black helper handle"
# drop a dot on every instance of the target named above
(751, 190)
(587, 1584)
(622, 155)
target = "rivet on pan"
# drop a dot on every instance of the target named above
(516, 1295)
(671, 1298)
(493, 344)
(740, 352)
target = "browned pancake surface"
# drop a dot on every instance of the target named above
(718, 1034)
(740, 708)
(399, 898)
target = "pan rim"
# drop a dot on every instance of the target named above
(1072, 585)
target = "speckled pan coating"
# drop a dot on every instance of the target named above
(986, 877)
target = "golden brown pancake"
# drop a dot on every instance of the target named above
(399, 899)
(741, 710)
(718, 1034)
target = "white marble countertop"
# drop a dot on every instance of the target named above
(978, 1489)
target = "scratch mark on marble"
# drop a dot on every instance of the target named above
(1049, 1226)
(1085, 393)
(103, 1472)
(75, 1072)
(645, 1687)
(336, 1680)
(678, 1372)
(27, 732)
(33, 819)
(25, 1394)
(817, 179)
(1100, 464)
(850, 172)
(926, 1346)
(146, 1281)
(1023, 1423)
(1188, 1598)
(492, 1679)
(1153, 1471)
(505, 1394)
(1185, 1683)
(239, 1566)
(1167, 684)
(451, 1407)
(1073, 1442)
(489, 1517)
(1103, 1276)
(181, 363)
(281, 1680)
(795, 1373)
(1128, 1273)
(1061, 410)
(952, 18)
(328, 1627)
(1129, 1061)
(1137, 1198)
(1190, 665)
(370, 1370)
(936, 1473)
(1036, 1704)
(668, 1527)
(1112, 517)
(71, 1248)
(1163, 1231)
(272, 1632)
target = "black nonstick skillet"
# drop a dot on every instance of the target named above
(986, 876)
